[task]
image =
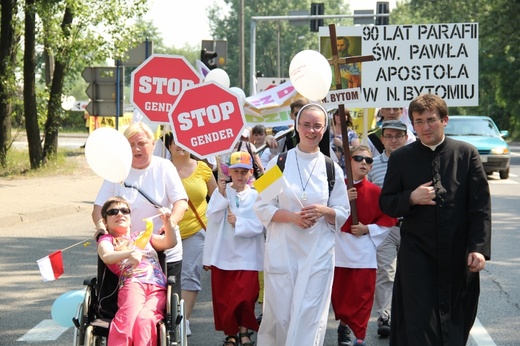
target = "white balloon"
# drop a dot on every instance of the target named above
(218, 75)
(310, 74)
(109, 154)
(240, 93)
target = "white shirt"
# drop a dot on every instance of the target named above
(162, 184)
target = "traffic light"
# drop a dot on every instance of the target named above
(382, 7)
(206, 56)
(317, 9)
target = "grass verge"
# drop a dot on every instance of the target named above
(66, 162)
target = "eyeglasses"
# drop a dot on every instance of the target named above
(308, 127)
(398, 136)
(359, 158)
(115, 211)
(421, 123)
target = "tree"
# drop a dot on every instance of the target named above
(29, 87)
(292, 38)
(7, 64)
(70, 30)
(499, 49)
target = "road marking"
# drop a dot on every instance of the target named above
(503, 182)
(46, 330)
(480, 334)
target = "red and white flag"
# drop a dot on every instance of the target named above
(51, 267)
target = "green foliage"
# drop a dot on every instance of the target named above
(292, 39)
(499, 50)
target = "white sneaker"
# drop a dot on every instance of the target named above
(188, 330)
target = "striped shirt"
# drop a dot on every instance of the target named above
(378, 171)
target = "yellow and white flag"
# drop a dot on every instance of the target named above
(143, 238)
(270, 184)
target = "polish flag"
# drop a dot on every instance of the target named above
(51, 267)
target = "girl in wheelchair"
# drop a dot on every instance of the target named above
(142, 283)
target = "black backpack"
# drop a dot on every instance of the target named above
(331, 173)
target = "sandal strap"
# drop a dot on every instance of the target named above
(246, 335)
(228, 341)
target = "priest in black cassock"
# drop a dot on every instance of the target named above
(439, 187)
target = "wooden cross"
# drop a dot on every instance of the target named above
(336, 61)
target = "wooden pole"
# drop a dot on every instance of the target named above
(336, 61)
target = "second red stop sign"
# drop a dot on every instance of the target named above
(207, 119)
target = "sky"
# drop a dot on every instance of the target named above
(190, 25)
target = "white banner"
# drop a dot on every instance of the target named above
(410, 60)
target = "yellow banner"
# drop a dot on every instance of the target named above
(96, 122)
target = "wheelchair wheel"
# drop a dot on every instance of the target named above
(91, 339)
(163, 335)
(175, 328)
(81, 319)
(79, 332)
(182, 329)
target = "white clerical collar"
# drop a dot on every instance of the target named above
(433, 147)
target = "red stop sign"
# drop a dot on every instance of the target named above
(207, 119)
(158, 82)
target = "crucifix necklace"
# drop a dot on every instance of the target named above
(304, 195)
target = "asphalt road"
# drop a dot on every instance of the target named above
(26, 301)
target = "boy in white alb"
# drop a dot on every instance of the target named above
(355, 272)
(234, 250)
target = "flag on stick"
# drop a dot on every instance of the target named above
(143, 238)
(51, 267)
(270, 184)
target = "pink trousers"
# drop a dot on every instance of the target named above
(140, 308)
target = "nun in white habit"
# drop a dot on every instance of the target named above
(299, 251)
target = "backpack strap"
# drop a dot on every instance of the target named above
(331, 172)
(281, 160)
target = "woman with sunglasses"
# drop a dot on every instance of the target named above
(153, 183)
(299, 249)
(356, 264)
(142, 284)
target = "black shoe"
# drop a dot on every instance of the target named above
(383, 326)
(344, 335)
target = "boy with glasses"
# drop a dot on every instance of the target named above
(355, 269)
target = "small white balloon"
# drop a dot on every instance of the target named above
(108, 154)
(240, 93)
(310, 74)
(218, 75)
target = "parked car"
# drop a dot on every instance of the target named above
(482, 132)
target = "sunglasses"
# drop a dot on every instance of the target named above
(359, 158)
(115, 211)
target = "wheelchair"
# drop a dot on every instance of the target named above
(92, 320)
